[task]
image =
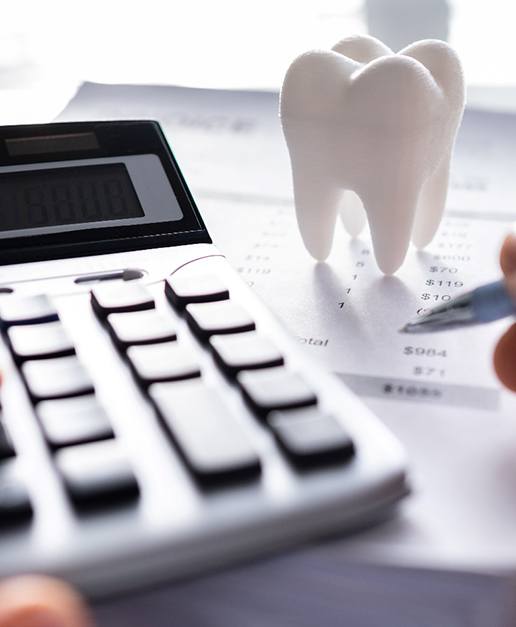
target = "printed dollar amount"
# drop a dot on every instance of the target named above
(421, 351)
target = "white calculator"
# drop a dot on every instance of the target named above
(157, 421)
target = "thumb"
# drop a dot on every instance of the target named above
(505, 351)
(32, 601)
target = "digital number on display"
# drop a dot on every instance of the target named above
(71, 195)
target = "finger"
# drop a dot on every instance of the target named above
(33, 601)
(505, 351)
(508, 255)
(505, 358)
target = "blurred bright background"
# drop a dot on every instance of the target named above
(49, 46)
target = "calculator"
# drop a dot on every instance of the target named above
(157, 421)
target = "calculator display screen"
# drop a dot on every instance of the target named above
(70, 189)
(80, 194)
(73, 195)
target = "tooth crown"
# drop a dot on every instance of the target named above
(371, 130)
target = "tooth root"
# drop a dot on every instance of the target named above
(432, 201)
(391, 216)
(316, 202)
(352, 213)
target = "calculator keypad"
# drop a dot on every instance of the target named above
(202, 425)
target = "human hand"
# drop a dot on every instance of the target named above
(34, 601)
(505, 351)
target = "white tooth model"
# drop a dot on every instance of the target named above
(362, 119)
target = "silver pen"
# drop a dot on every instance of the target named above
(483, 304)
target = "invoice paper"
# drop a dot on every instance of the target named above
(438, 392)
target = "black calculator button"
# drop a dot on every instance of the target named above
(26, 310)
(120, 298)
(141, 327)
(56, 378)
(6, 446)
(275, 388)
(244, 351)
(38, 341)
(211, 441)
(169, 361)
(182, 289)
(73, 421)
(97, 474)
(15, 505)
(207, 319)
(310, 437)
